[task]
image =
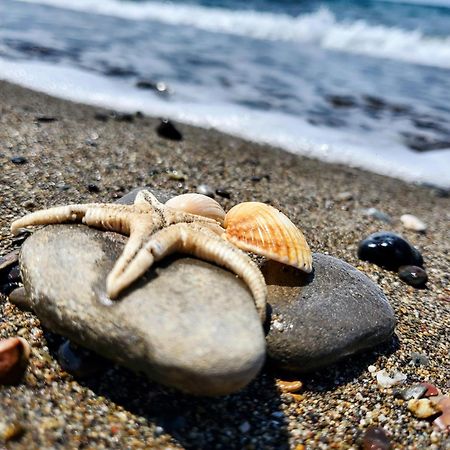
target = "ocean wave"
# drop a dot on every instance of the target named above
(319, 28)
(430, 3)
(375, 153)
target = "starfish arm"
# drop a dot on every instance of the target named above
(110, 217)
(58, 214)
(191, 239)
(120, 277)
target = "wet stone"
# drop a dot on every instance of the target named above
(388, 250)
(412, 392)
(221, 192)
(19, 160)
(165, 325)
(166, 129)
(375, 438)
(78, 361)
(319, 318)
(413, 275)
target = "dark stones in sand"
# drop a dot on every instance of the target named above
(19, 160)
(123, 117)
(319, 318)
(9, 272)
(186, 324)
(413, 275)
(93, 187)
(223, 193)
(79, 361)
(375, 438)
(166, 129)
(46, 119)
(388, 250)
(101, 116)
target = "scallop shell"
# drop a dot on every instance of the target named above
(198, 204)
(264, 230)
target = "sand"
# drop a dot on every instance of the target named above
(78, 158)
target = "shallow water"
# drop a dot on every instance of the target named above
(364, 83)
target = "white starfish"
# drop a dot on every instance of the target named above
(155, 231)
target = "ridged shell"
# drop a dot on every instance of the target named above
(198, 204)
(262, 229)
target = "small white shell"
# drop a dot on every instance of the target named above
(198, 204)
(262, 229)
(413, 223)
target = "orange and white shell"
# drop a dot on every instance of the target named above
(262, 229)
(198, 204)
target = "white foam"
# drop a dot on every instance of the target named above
(278, 129)
(319, 28)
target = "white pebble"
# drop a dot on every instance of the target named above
(371, 369)
(413, 223)
(385, 381)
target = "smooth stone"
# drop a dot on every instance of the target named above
(412, 392)
(377, 214)
(375, 438)
(162, 196)
(186, 323)
(413, 275)
(321, 317)
(413, 223)
(166, 129)
(388, 250)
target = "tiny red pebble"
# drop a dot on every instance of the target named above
(431, 391)
(115, 429)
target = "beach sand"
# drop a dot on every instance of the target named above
(79, 158)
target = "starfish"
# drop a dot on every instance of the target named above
(155, 230)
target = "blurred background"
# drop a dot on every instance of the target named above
(363, 82)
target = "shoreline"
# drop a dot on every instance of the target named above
(80, 158)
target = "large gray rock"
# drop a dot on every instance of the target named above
(186, 324)
(322, 317)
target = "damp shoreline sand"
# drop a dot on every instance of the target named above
(79, 158)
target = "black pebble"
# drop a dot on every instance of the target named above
(46, 119)
(93, 188)
(388, 250)
(79, 361)
(124, 117)
(101, 116)
(166, 129)
(223, 193)
(413, 275)
(19, 160)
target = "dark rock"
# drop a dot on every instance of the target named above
(166, 129)
(425, 143)
(388, 250)
(93, 187)
(46, 119)
(375, 438)
(413, 275)
(321, 317)
(162, 196)
(7, 261)
(186, 323)
(223, 193)
(123, 117)
(415, 391)
(79, 361)
(19, 160)
(101, 116)
(18, 297)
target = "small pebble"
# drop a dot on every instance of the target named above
(375, 438)
(413, 275)
(423, 407)
(19, 160)
(204, 189)
(371, 369)
(93, 187)
(9, 260)
(377, 214)
(388, 250)
(344, 196)
(244, 427)
(413, 223)
(18, 297)
(14, 355)
(443, 421)
(431, 390)
(79, 361)
(419, 359)
(10, 431)
(223, 193)
(412, 392)
(166, 129)
(101, 116)
(385, 381)
(45, 119)
(289, 386)
(123, 117)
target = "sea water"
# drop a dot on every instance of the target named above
(360, 82)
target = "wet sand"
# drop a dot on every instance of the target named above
(79, 158)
